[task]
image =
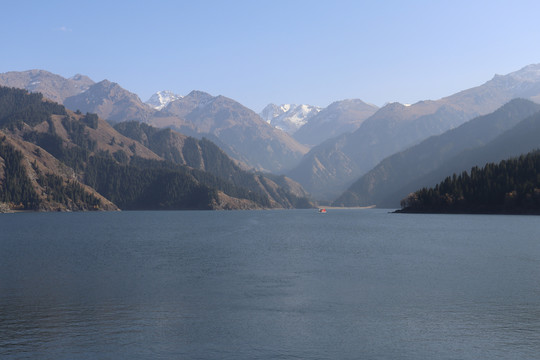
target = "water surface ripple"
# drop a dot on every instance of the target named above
(349, 284)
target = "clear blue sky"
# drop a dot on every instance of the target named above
(258, 52)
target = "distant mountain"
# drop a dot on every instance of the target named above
(509, 187)
(396, 176)
(233, 127)
(312, 125)
(329, 168)
(185, 105)
(107, 99)
(162, 98)
(338, 118)
(111, 102)
(52, 86)
(288, 117)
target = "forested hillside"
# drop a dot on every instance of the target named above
(18, 107)
(204, 155)
(52, 158)
(510, 187)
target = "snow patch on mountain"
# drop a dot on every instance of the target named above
(288, 117)
(162, 98)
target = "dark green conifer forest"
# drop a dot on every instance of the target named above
(17, 106)
(16, 188)
(510, 187)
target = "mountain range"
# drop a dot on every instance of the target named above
(236, 129)
(52, 86)
(325, 150)
(239, 131)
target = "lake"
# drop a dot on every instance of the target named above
(293, 284)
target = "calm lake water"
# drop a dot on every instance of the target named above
(349, 284)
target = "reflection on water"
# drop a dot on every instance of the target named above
(269, 284)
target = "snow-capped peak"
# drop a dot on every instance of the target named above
(162, 98)
(288, 117)
(286, 107)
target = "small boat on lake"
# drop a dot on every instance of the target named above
(322, 211)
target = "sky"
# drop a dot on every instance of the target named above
(259, 52)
